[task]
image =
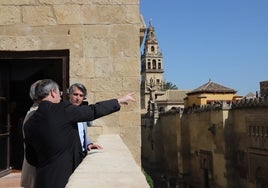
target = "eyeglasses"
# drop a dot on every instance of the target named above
(77, 94)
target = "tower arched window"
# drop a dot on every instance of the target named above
(159, 65)
(149, 65)
(154, 64)
(152, 48)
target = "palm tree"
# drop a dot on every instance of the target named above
(169, 86)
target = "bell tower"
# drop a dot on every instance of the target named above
(151, 68)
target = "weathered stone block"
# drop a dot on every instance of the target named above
(38, 15)
(68, 14)
(9, 15)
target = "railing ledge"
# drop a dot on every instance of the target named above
(111, 167)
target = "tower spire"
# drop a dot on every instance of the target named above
(151, 66)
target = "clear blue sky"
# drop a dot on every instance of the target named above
(222, 40)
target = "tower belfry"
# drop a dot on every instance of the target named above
(151, 67)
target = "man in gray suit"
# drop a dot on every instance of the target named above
(28, 171)
(77, 94)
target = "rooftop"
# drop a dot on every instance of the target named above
(211, 87)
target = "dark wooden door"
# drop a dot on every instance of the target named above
(18, 70)
(4, 121)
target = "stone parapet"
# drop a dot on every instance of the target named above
(112, 167)
(217, 105)
(249, 103)
(243, 103)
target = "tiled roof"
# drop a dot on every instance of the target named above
(173, 95)
(211, 87)
(250, 95)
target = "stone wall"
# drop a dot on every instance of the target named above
(218, 145)
(103, 37)
(249, 143)
(161, 147)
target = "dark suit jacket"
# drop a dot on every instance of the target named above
(52, 140)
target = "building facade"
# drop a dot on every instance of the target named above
(208, 93)
(92, 42)
(264, 88)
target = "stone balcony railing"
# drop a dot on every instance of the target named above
(111, 167)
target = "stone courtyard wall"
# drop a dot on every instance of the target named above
(230, 137)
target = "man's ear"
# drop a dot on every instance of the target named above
(52, 93)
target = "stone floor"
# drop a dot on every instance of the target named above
(11, 181)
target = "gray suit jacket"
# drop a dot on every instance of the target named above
(28, 171)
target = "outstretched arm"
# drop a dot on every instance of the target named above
(97, 110)
(127, 98)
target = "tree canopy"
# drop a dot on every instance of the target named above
(169, 86)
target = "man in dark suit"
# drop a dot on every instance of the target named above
(51, 135)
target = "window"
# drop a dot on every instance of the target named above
(159, 65)
(152, 48)
(149, 65)
(154, 64)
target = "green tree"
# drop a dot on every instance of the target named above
(169, 85)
